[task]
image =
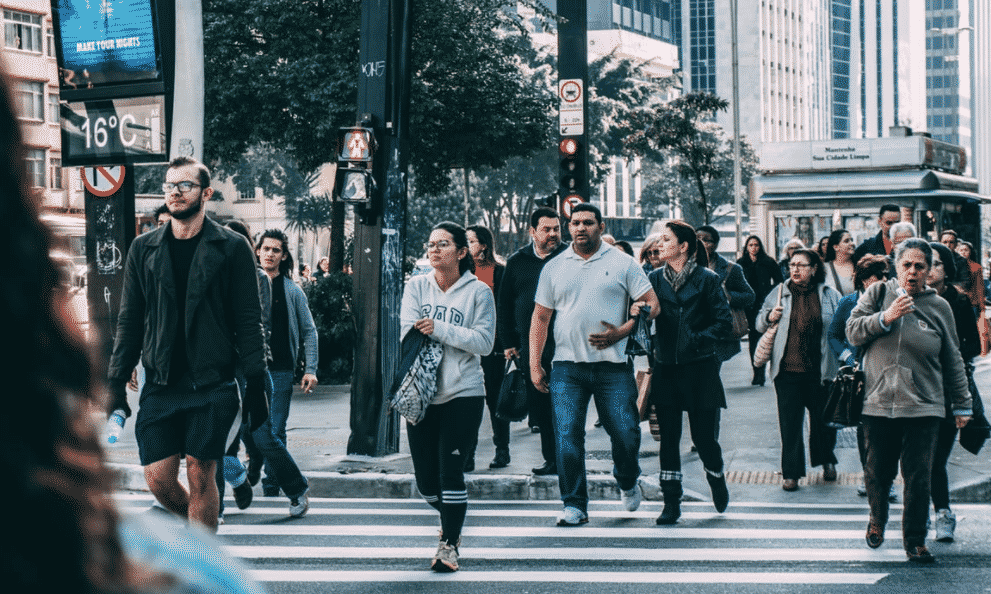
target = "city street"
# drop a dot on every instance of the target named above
(383, 545)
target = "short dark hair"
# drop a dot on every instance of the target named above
(834, 240)
(868, 266)
(711, 231)
(946, 257)
(544, 212)
(240, 227)
(955, 235)
(626, 247)
(819, 276)
(162, 209)
(588, 207)
(889, 208)
(202, 173)
(285, 266)
(460, 235)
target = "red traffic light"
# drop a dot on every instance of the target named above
(357, 145)
(568, 147)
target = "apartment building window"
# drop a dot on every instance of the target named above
(55, 170)
(35, 161)
(53, 107)
(31, 96)
(50, 41)
(22, 31)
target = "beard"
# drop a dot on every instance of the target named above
(190, 210)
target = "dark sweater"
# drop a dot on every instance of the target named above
(514, 302)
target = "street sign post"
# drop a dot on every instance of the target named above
(572, 52)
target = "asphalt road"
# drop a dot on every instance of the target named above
(376, 545)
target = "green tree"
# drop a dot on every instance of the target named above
(661, 190)
(678, 132)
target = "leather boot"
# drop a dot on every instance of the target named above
(672, 503)
(501, 459)
(720, 494)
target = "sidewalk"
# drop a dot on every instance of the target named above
(318, 432)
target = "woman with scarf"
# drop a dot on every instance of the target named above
(694, 316)
(801, 364)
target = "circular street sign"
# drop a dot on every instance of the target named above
(571, 91)
(570, 201)
(103, 181)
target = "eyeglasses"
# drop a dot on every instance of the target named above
(184, 186)
(440, 245)
(655, 252)
(796, 265)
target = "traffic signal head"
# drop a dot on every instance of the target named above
(356, 145)
(573, 174)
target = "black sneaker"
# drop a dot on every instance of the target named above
(243, 495)
(920, 554)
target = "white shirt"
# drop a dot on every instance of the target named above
(585, 293)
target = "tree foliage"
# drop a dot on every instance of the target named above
(676, 132)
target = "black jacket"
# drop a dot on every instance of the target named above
(691, 321)
(223, 310)
(514, 303)
(761, 275)
(874, 245)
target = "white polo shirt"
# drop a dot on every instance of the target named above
(584, 293)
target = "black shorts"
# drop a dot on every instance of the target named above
(179, 419)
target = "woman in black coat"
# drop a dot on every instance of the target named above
(694, 316)
(762, 274)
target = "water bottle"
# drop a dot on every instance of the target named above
(115, 425)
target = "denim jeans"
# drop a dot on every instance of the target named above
(280, 467)
(278, 415)
(615, 392)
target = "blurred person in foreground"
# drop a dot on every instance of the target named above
(914, 372)
(74, 540)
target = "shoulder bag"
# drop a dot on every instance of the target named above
(845, 401)
(416, 379)
(740, 326)
(762, 354)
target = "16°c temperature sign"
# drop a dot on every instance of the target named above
(114, 131)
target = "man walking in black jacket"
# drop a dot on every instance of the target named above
(190, 310)
(519, 283)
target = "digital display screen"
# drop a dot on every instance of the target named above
(106, 42)
(129, 130)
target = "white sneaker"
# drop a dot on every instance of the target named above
(572, 516)
(946, 523)
(299, 506)
(632, 498)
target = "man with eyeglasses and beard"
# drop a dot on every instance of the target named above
(190, 310)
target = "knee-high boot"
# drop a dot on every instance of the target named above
(672, 502)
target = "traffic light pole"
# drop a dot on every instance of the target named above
(572, 59)
(380, 234)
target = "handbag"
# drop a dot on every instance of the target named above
(741, 327)
(845, 401)
(512, 402)
(762, 353)
(643, 393)
(416, 379)
(639, 341)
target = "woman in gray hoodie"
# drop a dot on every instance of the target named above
(911, 356)
(449, 305)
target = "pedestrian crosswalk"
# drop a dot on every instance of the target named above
(348, 542)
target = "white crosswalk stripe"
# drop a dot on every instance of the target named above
(340, 540)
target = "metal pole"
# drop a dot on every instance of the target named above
(188, 99)
(737, 174)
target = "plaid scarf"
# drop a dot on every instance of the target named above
(677, 279)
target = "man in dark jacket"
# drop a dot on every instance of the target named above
(190, 310)
(515, 302)
(880, 244)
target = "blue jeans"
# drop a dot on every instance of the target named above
(615, 392)
(278, 415)
(280, 467)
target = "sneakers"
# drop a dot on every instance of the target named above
(861, 490)
(298, 506)
(920, 554)
(572, 516)
(446, 559)
(875, 535)
(243, 495)
(946, 523)
(632, 498)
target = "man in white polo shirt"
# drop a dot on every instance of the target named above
(588, 287)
